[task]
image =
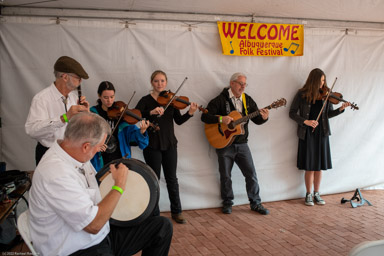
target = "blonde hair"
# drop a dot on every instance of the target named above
(155, 73)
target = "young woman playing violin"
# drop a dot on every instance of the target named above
(162, 148)
(314, 152)
(121, 139)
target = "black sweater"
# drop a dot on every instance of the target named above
(164, 138)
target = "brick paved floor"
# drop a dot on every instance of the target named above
(292, 228)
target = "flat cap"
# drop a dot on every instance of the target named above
(66, 64)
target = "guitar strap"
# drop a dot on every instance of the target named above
(244, 104)
(228, 108)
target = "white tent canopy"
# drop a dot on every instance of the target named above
(125, 41)
(329, 10)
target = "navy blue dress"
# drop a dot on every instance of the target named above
(314, 153)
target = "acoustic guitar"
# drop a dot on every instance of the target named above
(220, 135)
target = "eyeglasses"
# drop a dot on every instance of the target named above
(76, 77)
(241, 84)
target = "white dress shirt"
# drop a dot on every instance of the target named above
(237, 102)
(63, 201)
(43, 122)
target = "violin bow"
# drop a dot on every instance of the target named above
(325, 102)
(118, 121)
(173, 97)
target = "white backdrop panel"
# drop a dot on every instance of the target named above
(128, 56)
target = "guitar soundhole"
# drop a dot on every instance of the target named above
(228, 133)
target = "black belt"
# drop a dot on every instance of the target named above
(40, 151)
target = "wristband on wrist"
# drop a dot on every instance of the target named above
(118, 189)
(221, 119)
(65, 118)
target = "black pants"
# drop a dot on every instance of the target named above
(153, 237)
(241, 155)
(168, 159)
(39, 152)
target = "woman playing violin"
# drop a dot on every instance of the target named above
(314, 154)
(162, 148)
(120, 143)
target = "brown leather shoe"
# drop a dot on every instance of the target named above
(179, 218)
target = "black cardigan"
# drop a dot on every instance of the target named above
(301, 105)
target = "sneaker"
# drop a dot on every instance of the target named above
(318, 199)
(308, 199)
(227, 209)
(260, 209)
(179, 218)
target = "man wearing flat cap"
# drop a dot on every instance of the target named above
(54, 106)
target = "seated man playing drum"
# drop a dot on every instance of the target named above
(67, 214)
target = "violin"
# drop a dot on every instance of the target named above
(178, 102)
(131, 116)
(334, 97)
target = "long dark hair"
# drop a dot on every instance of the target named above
(311, 88)
(103, 86)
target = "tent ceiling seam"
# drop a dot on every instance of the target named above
(181, 17)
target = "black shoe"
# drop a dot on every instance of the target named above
(260, 209)
(227, 209)
(179, 218)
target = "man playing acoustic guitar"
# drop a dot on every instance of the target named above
(222, 111)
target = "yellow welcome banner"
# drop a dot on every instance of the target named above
(261, 39)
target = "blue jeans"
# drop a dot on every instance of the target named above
(241, 155)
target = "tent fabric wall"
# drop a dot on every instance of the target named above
(127, 57)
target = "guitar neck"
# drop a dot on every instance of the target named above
(250, 116)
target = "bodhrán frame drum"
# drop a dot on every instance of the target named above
(141, 194)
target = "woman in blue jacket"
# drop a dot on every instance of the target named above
(123, 136)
